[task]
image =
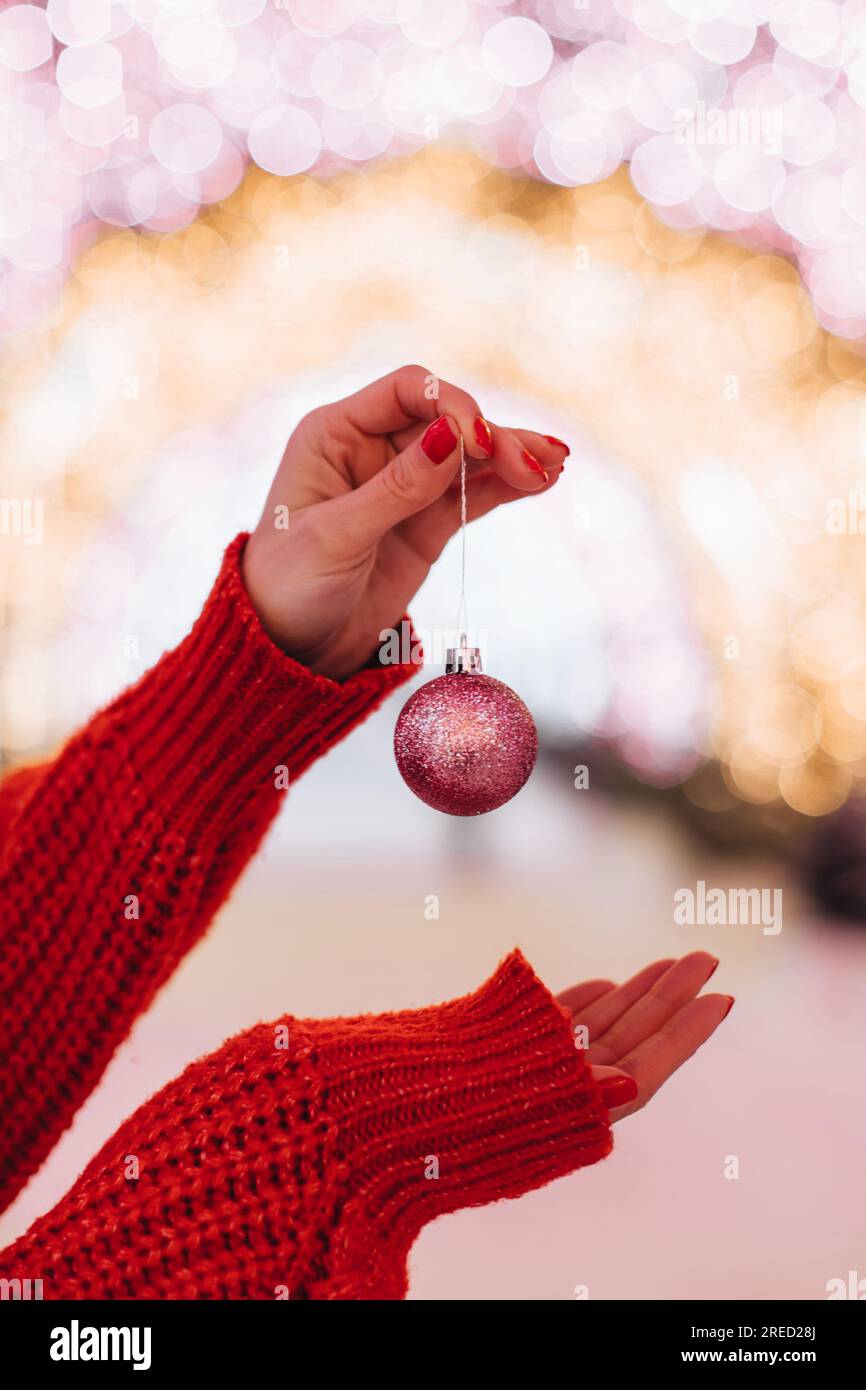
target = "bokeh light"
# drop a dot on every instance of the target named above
(747, 117)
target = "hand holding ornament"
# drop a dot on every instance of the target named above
(370, 487)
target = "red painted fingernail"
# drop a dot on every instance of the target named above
(731, 1002)
(532, 463)
(439, 440)
(715, 967)
(560, 443)
(483, 435)
(618, 1090)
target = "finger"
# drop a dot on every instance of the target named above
(605, 1011)
(581, 996)
(408, 484)
(677, 1040)
(670, 992)
(616, 1087)
(488, 490)
(550, 451)
(525, 458)
(413, 396)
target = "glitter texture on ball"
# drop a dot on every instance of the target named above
(465, 744)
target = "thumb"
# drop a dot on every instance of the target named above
(411, 481)
(615, 1087)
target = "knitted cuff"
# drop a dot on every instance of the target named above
(227, 717)
(459, 1105)
(311, 1161)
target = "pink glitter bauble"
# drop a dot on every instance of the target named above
(465, 743)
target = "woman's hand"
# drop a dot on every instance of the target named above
(639, 1033)
(371, 490)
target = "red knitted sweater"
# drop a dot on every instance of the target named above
(302, 1158)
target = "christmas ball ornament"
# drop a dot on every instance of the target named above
(464, 742)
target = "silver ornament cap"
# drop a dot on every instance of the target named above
(462, 659)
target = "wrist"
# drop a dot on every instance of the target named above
(214, 727)
(289, 604)
(261, 572)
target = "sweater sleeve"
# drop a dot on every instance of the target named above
(116, 855)
(302, 1159)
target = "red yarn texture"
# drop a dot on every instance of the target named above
(302, 1158)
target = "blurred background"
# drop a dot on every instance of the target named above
(640, 227)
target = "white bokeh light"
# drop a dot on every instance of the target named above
(284, 140)
(602, 74)
(346, 75)
(761, 103)
(749, 178)
(517, 52)
(185, 138)
(80, 21)
(25, 38)
(90, 74)
(665, 170)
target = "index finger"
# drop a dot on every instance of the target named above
(413, 395)
(605, 1011)
(654, 1061)
(652, 1010)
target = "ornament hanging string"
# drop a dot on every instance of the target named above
(462, 619)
